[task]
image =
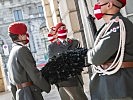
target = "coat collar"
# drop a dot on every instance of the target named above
(115, 15)
(69, 41)
(18, 43)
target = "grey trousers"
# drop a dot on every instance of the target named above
(125, 98)
(63, 94)
(72, 93)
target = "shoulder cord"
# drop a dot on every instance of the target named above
(116, 65)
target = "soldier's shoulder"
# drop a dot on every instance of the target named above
(73, 39)
(127, 22)
(52, 44)
(115, 27)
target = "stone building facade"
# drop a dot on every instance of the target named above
(29, 12)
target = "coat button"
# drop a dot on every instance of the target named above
(35, 89)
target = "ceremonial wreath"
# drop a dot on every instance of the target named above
(66, 65)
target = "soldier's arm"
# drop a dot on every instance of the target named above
(50, 51)
(106, 47)
(26, 59)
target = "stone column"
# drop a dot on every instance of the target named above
(47, 13)
(69, 16)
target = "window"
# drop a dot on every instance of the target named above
(30, 10)
(18, 15)
(40, 10)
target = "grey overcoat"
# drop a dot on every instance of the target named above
(22, 68)
(118, 85)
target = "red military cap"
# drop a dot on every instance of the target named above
(58, 26)
(123, 2)
(17, 28)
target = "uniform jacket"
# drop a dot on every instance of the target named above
(106, 87)
(56, 48)
(22, 68)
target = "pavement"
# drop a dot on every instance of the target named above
(54, 94)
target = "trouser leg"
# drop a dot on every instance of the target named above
(76, 92)
(63, 94)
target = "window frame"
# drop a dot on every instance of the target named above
(18, 15)
(40, 10)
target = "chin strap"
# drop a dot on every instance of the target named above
(116, 65)
(109, 14)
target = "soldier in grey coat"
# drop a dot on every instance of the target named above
(72, 87)
(22, 66)
(112, 54)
